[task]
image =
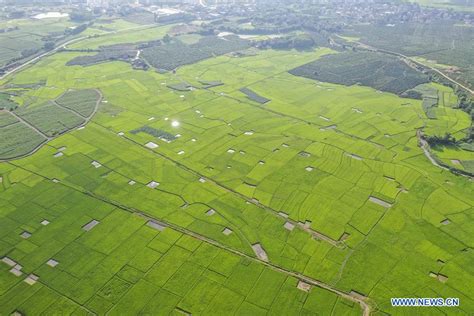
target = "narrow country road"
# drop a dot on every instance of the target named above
(425, 147)
(63, 45)
(366, 308)
(50, 52)
(406, 58)
(48, 138)
(19, 118)
(315, 234)
(426, 150)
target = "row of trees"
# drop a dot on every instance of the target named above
(445, 140)
(81, 16)
(465, 102)
(299, 42)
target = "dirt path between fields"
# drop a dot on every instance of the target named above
(63, 45)
(19, 118)
(315, 234)
(85, 118)
(362, 301)
(50, 52)
(427, 151)
(409, 60)
(366, 308)
(419, 133)
(48, 138)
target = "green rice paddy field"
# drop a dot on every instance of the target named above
(329, 180)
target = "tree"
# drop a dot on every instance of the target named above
(303, 42)
(167, 39)
(80, 16)
(48, 45)
(445, 140)
(17, 14)
(76, 30)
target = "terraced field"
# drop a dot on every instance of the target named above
(317, 201)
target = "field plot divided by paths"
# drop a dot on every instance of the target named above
(37, 125)
(125, 35)
(23, 37)
(382, 72)
(449, 44)
(282, 155)
(136, 259)
(19, 132)
(358, 109)
(116, 37)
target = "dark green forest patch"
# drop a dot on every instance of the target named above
(376, 70)
(174, 54)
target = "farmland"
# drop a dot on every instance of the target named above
(27, 127)
(25, 37)
(177, 53)
(371, 69)
(82, 102)
(251, 189)
(17, 139)
(446, 45)
(123, 35)
(133, 267)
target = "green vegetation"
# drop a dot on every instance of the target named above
(50, 119)
(82, 102)
(429, 94)
(25, 37)
(6, 119)
(154, 132)
(254, 96)
(124, 34)
(104, 56)
(445, 140)
(6, 102)
(296, 41)
(444, 42)
(468, 165)
(448, 130)
(327, 181)
(376, 70)
(171, 56)
(27, 127)
(17, 139)
(123, 266)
